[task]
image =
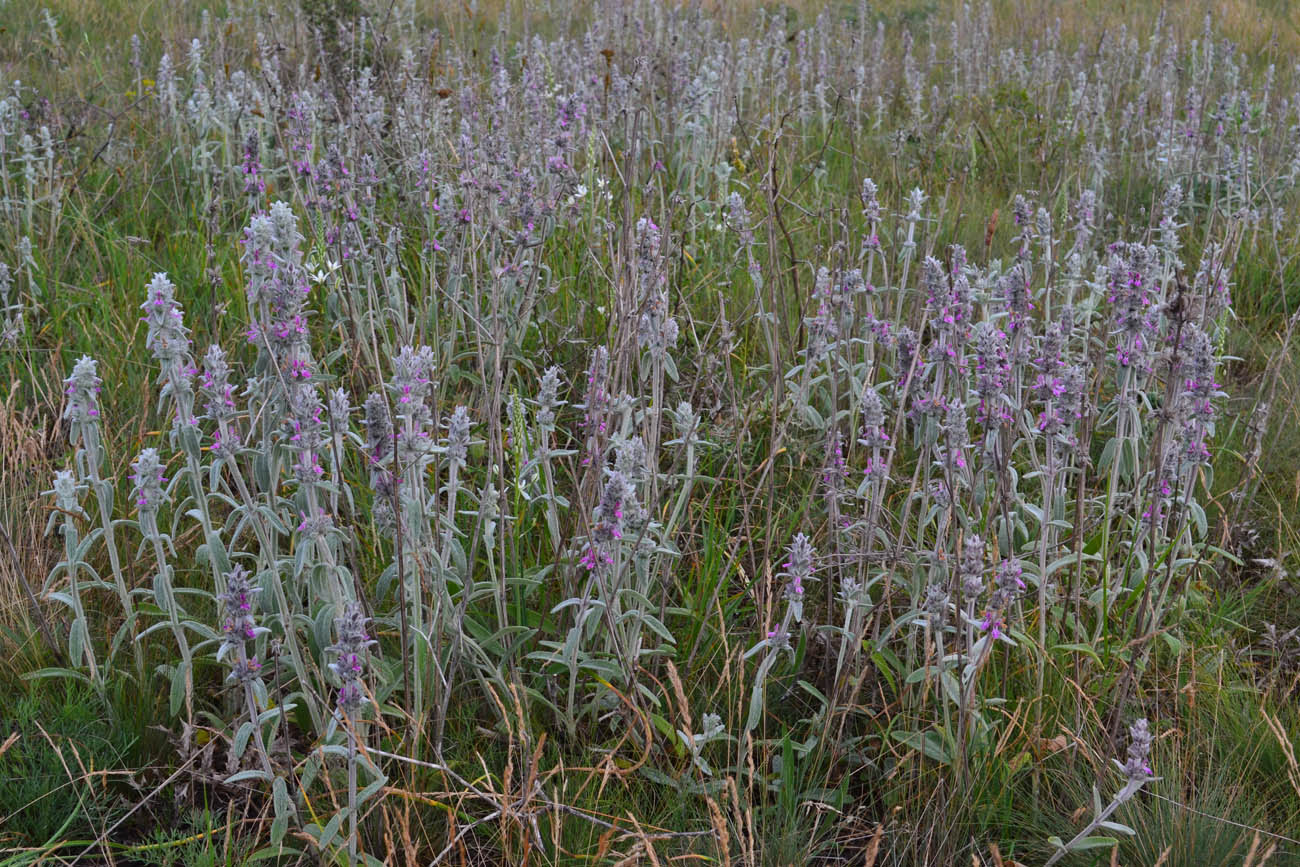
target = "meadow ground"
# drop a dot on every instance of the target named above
(644, 433)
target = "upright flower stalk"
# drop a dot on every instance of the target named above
(238, 629)
(82, 413)
(150, 495)
(67, 499)
(169, 341)
(350, 649)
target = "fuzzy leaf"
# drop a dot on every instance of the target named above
(179, 676)
(240, 742)
(1092, 843)
(331, 830)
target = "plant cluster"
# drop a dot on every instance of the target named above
(614, 396)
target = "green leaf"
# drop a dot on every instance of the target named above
(951, 687)
(241, 739)
(42, 673)
(1092, 843)
(273, 852)
(218, 552)
(888, 664)
(280, 798)
(60, 596)
(78, 637)
(923, 672)
(1175, 643)
(929, 743)
(1069, 560)
(311, 767)
(279, 827)
(813, 691)
(179, 674)
(659, 778)
(250, 774)
(755, 705)
(371, 790)
(1078, 648)
(331, 830)
(665, 728)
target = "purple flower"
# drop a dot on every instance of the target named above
(1196, 398)
(1130, 282)
(823, 327)
(410, 387)
(935, 605)
(992, 375)
(167, 336)
(254, 184)
(1016, 296)
(595, 405)
(277, 285)
(1008, 584)
(238, 626)
(873, 421)
(617, 504)
(307, 431)
(870, 204)
(147, 474)
(352, 645)
(656, 330)
(905, 352)
(738, 219)
(340, 408)
(548, 400)
(834, 469)
(798, 568)
(956, 438)
(779, 638)
(971, 567)
(1137, 766)
(458, 436)
(379, 428)
(948, 302)
(315, 526)
(83, 395)
(66, 494)
(218, 397)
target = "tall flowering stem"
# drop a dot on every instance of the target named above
(68, 502)
(1137, 773)
(399, 448)
(169, 341)
(150, 495)
(239, 628)
(798, 569)
(548, 405)
(352, 646)
(446, 613)
(82, 413)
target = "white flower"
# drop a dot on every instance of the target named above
(318, 273)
